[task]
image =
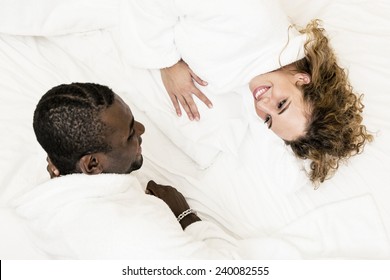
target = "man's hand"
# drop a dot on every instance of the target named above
(174, 199)
(179, 83)
(53, 171)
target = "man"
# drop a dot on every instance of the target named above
(86, 129)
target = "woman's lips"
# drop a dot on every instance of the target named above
(259, 91)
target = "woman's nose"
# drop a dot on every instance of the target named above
(267, 105)
(265, 100)
(263, 104)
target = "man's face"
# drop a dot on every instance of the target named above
(124, 137)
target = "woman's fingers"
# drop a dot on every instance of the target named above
(175, 104)
(179, 81)
(189, 106)
(197, 78)
(202, 97)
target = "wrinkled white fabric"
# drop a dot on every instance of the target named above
(56, 17)
(225, 42)
(109, 216)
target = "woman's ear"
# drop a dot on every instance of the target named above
(91, 164)
(302, 78)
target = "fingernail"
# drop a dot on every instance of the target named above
(191, 118)
(210, 106)
(197, 119)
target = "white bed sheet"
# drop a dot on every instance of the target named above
(251, 185)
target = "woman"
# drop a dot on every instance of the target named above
(311, 105)
(304, 97)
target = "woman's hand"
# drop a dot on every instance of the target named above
(174, 199)
(179, 83)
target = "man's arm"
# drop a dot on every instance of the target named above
(176, 202)
(214, 242)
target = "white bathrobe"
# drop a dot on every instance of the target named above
(225, 42)
(109, 216)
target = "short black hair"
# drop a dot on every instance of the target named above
(67, 123)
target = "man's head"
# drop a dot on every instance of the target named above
(87, 128)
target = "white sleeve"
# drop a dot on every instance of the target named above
(140, 231)
(110, 217)
(221, 244)
(147, 33)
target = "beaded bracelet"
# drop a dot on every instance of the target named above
(185, 214)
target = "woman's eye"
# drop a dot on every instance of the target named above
(267, 118)
(268, 121)
(280, 105)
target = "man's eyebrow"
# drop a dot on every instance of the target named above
(131, 124)
(285, 108)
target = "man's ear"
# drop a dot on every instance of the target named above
(302, 78)
(51, 168)
(91, 164)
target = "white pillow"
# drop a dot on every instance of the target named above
(56, 17)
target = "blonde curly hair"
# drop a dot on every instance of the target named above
(334, 130)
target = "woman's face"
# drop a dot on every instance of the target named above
(279, 103)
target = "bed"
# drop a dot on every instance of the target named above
(232, 170)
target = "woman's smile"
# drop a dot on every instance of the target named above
(259, 91)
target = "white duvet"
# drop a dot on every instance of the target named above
(232, 170)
